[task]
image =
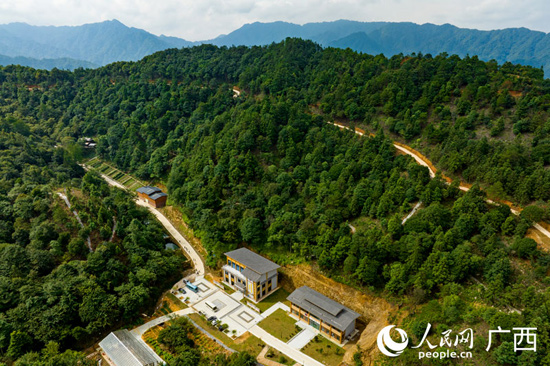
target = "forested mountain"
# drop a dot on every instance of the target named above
(54, 292)
(110, 41)
(516, 45)
(266, 170)
(96, 44)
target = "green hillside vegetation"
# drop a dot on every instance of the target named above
(265, 169)
(54, 293)
(180, 346)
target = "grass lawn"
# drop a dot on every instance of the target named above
(250, 344)
(278, 296)
(277, 356)
(324, 351)
(280, 325)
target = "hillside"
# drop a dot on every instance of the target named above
(265, 170)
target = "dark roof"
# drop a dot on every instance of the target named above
(251, 260)
(156, 196)
(125, 350)
(328, 310)
(251, 275)
(148, 190)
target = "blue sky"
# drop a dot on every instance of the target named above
(204, 19)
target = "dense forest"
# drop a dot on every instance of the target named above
(54, 291)
(264, 169)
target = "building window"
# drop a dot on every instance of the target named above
(325, 330)
(295, 312)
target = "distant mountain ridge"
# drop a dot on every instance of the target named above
(98, 44)
(516, 45)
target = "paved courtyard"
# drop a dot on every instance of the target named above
(238, 317)
(205, 289)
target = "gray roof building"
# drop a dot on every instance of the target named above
(152, 192)
(252, 261)
(126, 350)
(328, 310)
(157, 195)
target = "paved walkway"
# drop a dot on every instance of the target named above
(184, 244)
(284, 348)
(300, 340)
(272, 309)
(139, 331)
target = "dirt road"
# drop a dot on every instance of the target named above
(422, 160)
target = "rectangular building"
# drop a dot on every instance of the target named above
(153, 195)
(255, 276)
(123, 349)
(332, 319)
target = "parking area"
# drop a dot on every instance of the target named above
(205, 289)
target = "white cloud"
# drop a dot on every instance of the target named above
(204, 19)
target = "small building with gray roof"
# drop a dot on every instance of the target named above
(153, 195)
(255, 276)
(331, 318)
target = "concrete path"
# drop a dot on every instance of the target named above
(183, 243)
(139, 331)
(284, 348)
(276, 306)
(416, 207)
(300, 340)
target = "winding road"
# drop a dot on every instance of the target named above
(183, 243)
(422, 160)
